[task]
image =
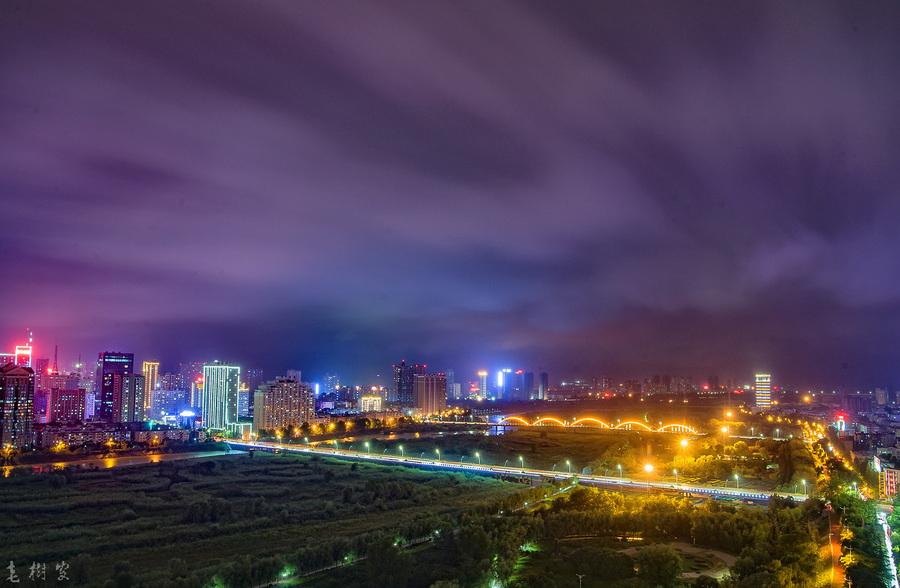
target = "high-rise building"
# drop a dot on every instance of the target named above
(763, 387)
(108, 396)
(172, 381)
(130, 391)
(504, 384)
(451, 380)
(66, 405)
(150, 371)
(16, 405)
(483, 383)
(528, 389)
(544, 386)
(283, 402)
(221, 384)
(168, 402)
(254, 378)
(431, 393)
(404, 389)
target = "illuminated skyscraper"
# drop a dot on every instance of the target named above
(482, 383)
(544, 386)
(131, 389)
(108, 395)
(431, 393)
(404, 388)
(763, 390)
(150, 370)
(221, 384)
(16, 405)
(451, 388)
(504, 383)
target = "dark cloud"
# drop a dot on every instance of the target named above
(590, 187)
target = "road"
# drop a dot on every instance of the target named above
(889, 552)
(497, 470)
(834, 545)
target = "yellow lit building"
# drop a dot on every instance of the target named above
(150, 369)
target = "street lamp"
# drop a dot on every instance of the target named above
(804, 486)
(676, 475)
(619, 467)
(737, 483)
(648, 467)
(400, 447)
(438, 451)
(569, 465)
(367, 447)
(478, 455)
(522, 461)
(306, 439)
(684, 442)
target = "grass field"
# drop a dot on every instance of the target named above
(202, 514)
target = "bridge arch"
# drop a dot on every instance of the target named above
(579, 422)
(552, 420)
(517, 420)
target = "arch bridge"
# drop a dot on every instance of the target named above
(592, 422)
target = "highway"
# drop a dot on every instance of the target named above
(718, 492)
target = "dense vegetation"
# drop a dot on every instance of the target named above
(242, 519)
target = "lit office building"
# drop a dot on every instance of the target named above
(107, 394)
(221, 384)
(150, 370)
(16, 405)
(483, 383)
(763, 389)
(431, 393)
(370, 403)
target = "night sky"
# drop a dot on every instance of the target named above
(602, 188)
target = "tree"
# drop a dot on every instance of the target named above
(386, 565)
(659, 565)
(706, 582)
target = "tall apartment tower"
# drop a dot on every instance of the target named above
(16, 405)
(431, 393)
(763, 389)
(130, 392)
(221, 385)
(283, 402)
(150, 371)
(108, 396)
